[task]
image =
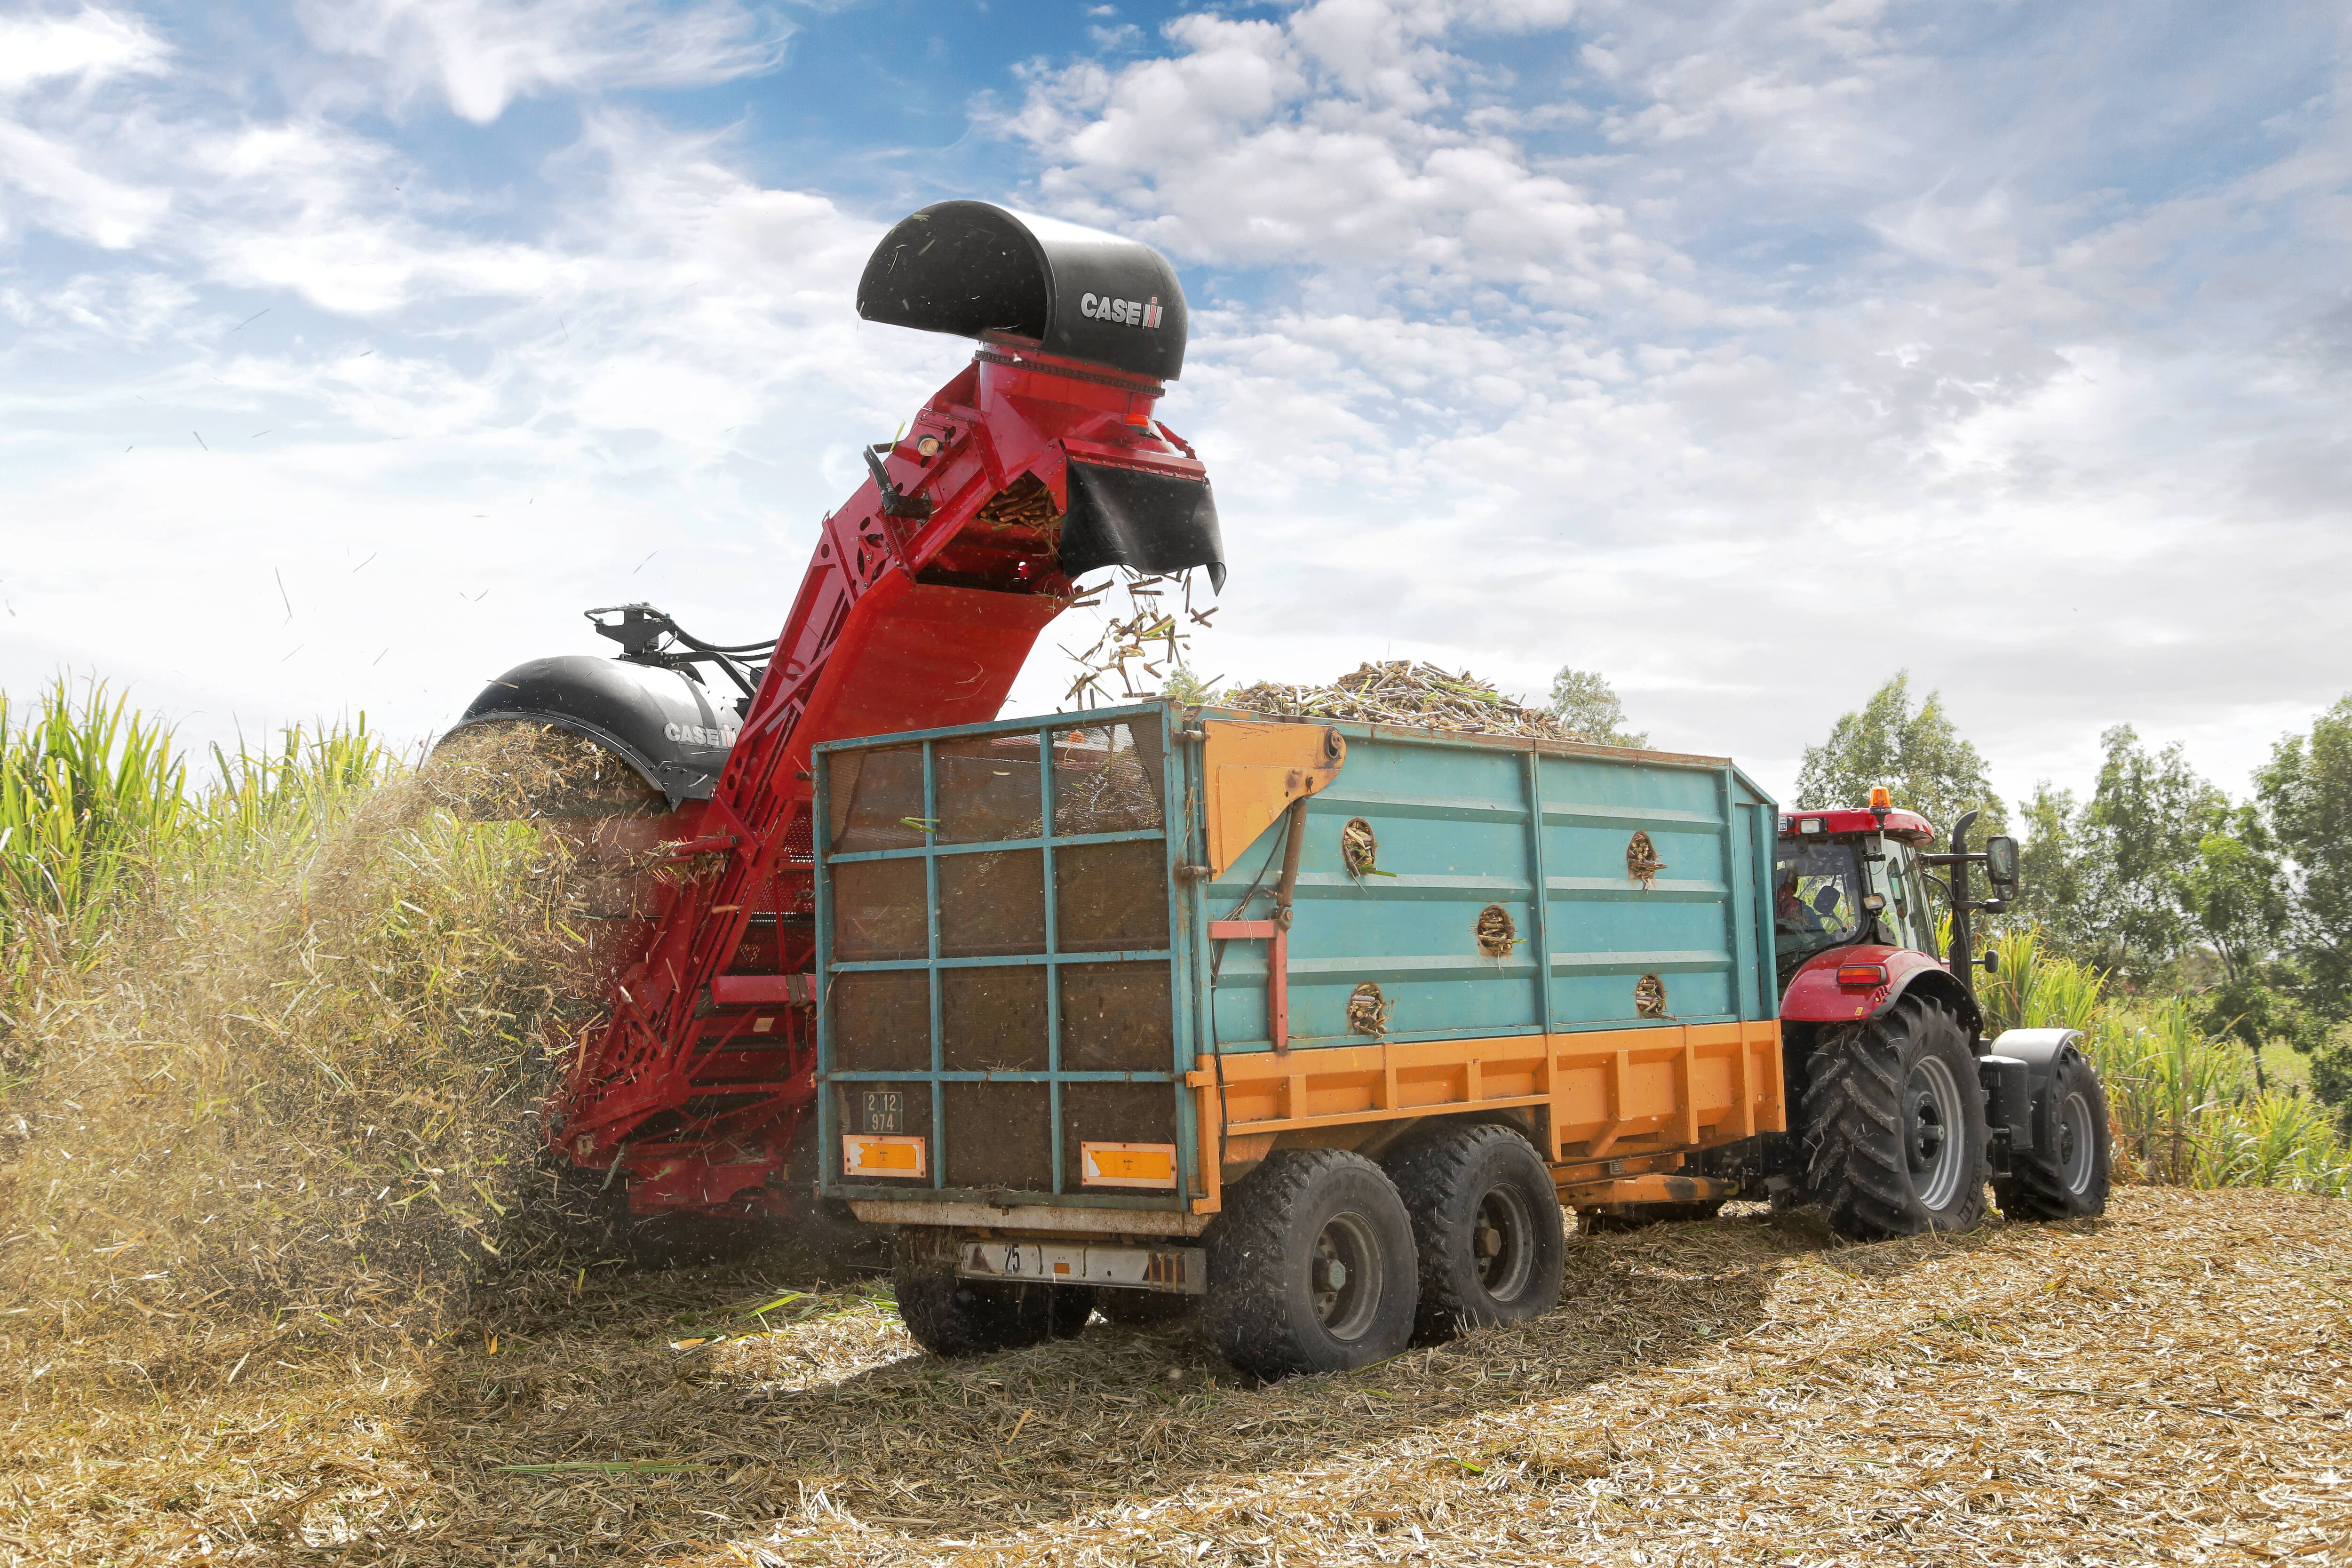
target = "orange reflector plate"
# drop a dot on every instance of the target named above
(881, 1154)
(1127, 1165)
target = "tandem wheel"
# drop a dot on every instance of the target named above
(1312, 1267)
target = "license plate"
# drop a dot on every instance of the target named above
(885, 1110)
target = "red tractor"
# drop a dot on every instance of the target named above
(1900, 1109)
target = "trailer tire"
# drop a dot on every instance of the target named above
(952, 1316)
(1145, 1308)
(2070, 1181)
(1277, 1305)
(1895, 1125)
(1487, 1225)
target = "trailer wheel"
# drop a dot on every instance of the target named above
(2069, 1182)
(952, 1316)
(1145, 1308)
(1311, 1267)
(1487, 1225)
(1895, 1125)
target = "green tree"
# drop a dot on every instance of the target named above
(1585, 701)
(2331, 1072)
(2306, 792)
(1184, 685)
(2141, 831)
(2050, 892)
(1915, 752)
(2235, 894)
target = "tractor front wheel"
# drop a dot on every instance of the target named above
(1895, 1125)
(2070, 1180)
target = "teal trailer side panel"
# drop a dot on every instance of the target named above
(1465, 825)
(1450, 827)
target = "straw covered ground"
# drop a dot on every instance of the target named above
(283, 1279)
(2164, 1385)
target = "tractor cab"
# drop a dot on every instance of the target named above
(1848, 878)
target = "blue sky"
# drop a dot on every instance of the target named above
(1745, 352)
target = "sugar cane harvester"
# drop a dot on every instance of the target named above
(1042, 461)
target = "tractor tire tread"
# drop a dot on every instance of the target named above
(1852, 1116)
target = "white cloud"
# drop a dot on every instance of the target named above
(1748, 356)
(1324, 140)
(480, 56)
(90, 46)
(1812, 303)
(57, 185)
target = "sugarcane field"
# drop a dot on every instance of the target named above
(1315, 782)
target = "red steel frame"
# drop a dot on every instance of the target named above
(901, 622)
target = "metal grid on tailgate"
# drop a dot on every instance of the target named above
(995, 942)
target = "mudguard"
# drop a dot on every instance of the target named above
(1814, 996)
(661, 722)
(2032, 1124)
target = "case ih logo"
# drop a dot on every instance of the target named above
(1125, 312)
(699, 734)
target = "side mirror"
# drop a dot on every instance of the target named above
(2001, 860)
(1991, 961)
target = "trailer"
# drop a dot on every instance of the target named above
(1316, 1026)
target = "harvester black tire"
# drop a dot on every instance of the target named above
(952, 1316)
(1276, 1305)
(1487, 1225)
(2070, 1180)
(1617, 1219)
(1145, 1308)
(1895, 1125)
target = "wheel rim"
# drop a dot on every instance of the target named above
(2077, 1142)
(1933, 1132)
(1502, 1244)
(1344, 1276)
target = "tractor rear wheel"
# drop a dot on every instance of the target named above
(952, 1316)
(2070, 1180)
(1311, 1267)
(1895, 1125)
(1487, 1225)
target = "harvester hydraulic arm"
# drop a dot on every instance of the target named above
(1041, 460)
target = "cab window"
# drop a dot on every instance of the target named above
(1817, 896)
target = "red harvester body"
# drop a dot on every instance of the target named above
(1039, 461)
